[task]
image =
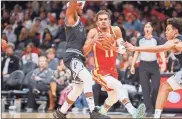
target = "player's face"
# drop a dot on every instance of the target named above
(79, 9)
(170, 32)
(148, 29)
(103, 21)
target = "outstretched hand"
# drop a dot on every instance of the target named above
(129, 46)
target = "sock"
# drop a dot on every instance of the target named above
(158, 113)
(104, 109)
(66, 105)
(130, 108)
(90, 100)
(71, 97)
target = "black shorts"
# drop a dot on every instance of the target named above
(69, 56)
(75, 63)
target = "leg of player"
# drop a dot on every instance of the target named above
(112, 99)
(86, 77)
(123, 97)
(72, 96)
(172, 83)
(164, 90)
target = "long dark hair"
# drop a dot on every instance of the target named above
(46, 30)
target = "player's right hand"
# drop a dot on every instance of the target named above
(98, 37)
(132, 70)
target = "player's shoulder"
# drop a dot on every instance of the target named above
(179, 37)
(93, 30)
(115, 28)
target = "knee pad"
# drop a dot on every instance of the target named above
(86, 77)
(122, 93)
(78, 88)
(112, 98)
(75, 92)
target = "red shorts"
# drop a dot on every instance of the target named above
(98, 76)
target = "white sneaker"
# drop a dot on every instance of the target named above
(85, 110)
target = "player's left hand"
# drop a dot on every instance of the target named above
(120, 50)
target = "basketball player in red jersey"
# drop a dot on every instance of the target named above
(103, 41)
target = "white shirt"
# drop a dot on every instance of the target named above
(10, 36)
(28, 24)
(30, 57)
(54, 30)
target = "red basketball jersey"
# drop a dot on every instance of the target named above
(105, 60)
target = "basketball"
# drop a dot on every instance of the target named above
(106, 42)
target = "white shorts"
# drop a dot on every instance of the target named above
(111, 82)
(175, 81)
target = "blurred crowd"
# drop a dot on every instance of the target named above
(32, 30)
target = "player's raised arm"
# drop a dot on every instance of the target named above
(71, 13)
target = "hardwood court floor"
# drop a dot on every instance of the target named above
(70, 115)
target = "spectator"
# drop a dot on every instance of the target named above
(30, 10)
(3, 45)
(4, 37)
(61, 32)
(5, 19)
(39, 82)
(3, 42)
(90, 22)
(17, 30)
(44, 22)
(53, 27)
(10, 34)
(124, 63)
(27, 21)
(10, 62)
(52, 60)
(37, 25)
(30, 54)
(47, 39)
(178, 9)
(61, 81)
(23, 36)
(34, 35)
(17, 13)
(119, 23)
(80, 104)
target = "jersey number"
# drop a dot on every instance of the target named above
(109, 53)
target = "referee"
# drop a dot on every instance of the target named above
(149, 73)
